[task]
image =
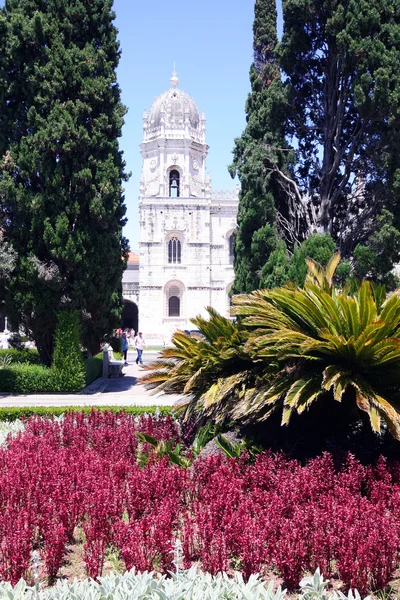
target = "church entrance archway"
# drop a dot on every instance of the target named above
(130, 316)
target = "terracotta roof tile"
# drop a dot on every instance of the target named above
(133, 257)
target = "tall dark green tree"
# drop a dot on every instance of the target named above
(61, 169)
(338, 67)
(261, 146)
(341, 65)
(7, 262)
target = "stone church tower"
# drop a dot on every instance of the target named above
(185, 228)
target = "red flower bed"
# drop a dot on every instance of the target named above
(273, 514)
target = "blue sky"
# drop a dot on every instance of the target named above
(211, 44)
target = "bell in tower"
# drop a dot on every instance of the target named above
(174, 184)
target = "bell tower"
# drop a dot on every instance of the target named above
(174, 148)
(177, 278)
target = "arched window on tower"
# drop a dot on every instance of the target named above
(174, 306)
(174, 250)
(174, 184)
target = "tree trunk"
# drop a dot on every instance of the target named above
(45, 347)
(93, 348)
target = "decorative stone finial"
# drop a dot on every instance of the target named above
(174, 80)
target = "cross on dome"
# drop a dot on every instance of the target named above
(174, 79)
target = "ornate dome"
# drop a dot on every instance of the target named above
(174, 104)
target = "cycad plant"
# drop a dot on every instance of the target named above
(289, 348)
(322, 342)
(212, 368)
(320, 276)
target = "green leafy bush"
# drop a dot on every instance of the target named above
(68, 367)
(94, 368)
(5, 361)
(67, 373)
(33, 379)
(319, 247)
(29, 357)
(375, 260)
(26, 379)
(13, 413)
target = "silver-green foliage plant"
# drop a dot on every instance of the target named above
(10, 427)
(183, 585)
(315, 588)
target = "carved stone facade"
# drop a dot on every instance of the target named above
(185, 229)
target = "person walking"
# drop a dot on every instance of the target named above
(140, 344)
(125, 344)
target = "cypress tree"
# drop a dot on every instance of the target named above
(341, 65)
(61, 171)
(261, 146)
(337, 70)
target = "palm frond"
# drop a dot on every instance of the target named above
(322, 277)
(300, 396)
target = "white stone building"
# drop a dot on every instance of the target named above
(186, 228)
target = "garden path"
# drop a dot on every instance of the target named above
(121, 391)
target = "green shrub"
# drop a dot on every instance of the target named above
(68, 367)
(319, 246)
(94, 368)
(29, 357)
(5, 361)
(13, 413)
(26, 379)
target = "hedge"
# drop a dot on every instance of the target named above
(13, 413)
(27, 379)
(29, 357)
(67, 373)
(36, 379)
(94, 368)
(41, 379)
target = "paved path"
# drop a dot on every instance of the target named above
(119, 391)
